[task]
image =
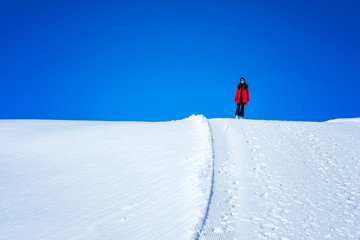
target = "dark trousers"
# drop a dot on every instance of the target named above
(240, 109)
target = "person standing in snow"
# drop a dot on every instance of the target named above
(241, 97)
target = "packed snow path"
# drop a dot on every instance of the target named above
(285, 180)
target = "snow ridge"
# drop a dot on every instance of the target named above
(206, 214)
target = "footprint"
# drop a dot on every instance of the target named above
(261, 165)
(229, 201)
(229, 229)
(264, 195)
(256, 169)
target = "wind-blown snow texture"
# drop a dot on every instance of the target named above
(103, 180)
(187, 179)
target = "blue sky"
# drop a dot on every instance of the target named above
(166, 60)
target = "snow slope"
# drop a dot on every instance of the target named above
(188, 179)
(285, 180)
(103, 180)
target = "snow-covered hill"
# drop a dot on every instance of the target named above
(188, 179)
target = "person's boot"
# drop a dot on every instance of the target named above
(236, 116)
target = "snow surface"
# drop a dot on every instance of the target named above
(188, 179)
(285, 180)
(103, 180)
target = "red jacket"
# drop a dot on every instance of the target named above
(245, 95)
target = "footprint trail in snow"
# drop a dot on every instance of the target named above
(284, 180)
